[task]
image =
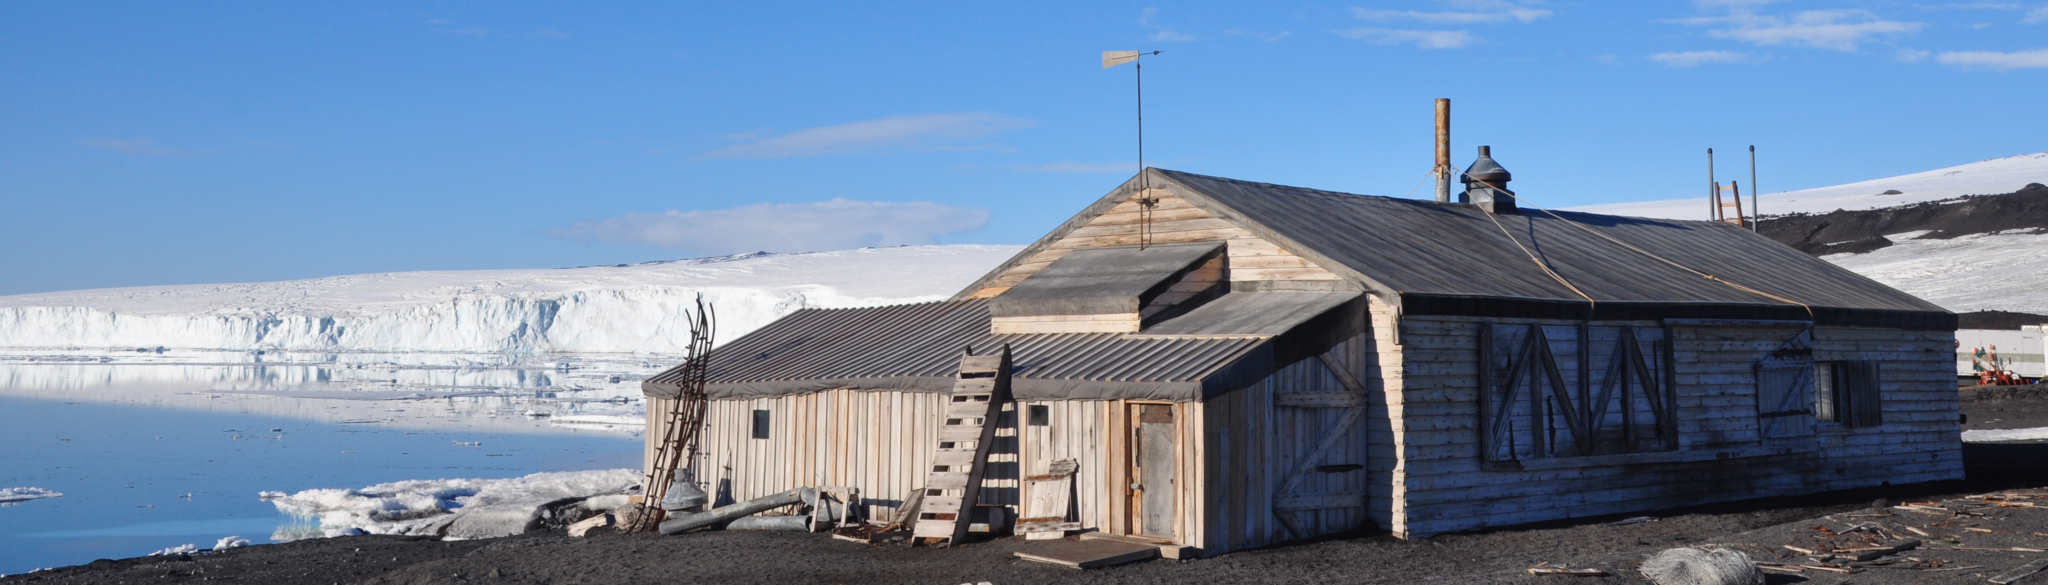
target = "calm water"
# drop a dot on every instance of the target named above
(138, 477)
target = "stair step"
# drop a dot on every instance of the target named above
(967, 410)
(953, 457)
(951, 480)
(940, 504)
(981, 363)
(982, 385)
(960, 433)
(933, 529)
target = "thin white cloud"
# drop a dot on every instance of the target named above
(923, 132)
(1840, 30)
(1984, 6)
(134, 147)
(1464, 12)
(1161, 33)
(786, 227)
(2036, 16)
(1078, 167)
(1427, 39)
(1913, 56)
(1697, 58)
(2034, 59)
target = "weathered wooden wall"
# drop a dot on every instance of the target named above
(882, 443)
(1174, 221)
(1443, 487)
(1255, 441)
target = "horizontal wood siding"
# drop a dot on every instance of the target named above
(1447, 490)
(1174, 221)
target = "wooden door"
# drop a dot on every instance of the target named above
(1319, 448)
(1154, 493)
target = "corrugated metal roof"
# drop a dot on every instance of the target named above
(1417, 247)
(917, 347)
(1252, 313)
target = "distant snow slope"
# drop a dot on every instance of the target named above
(1977, 272)
(1998, 175)
(632, 308)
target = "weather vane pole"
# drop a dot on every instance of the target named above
(1145, 200)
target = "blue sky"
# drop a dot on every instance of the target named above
(163, 143)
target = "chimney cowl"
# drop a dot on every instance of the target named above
(1486, 169)
(1486, 184)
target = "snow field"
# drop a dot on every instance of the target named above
(1977, 272)
(1995, 436)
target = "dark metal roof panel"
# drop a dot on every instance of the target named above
(1251, 313)
(918, 347)
(1420, 247)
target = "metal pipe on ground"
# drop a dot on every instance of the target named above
(737, 511)
(781, 523)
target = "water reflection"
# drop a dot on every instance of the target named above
(533, 393)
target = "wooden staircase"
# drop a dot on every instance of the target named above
(972, 413)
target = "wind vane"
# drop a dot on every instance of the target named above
(1145, 199)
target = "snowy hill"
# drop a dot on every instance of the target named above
(1998, 175)
(632, 308)
(1968, 238)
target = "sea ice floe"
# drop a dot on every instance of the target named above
(16, 495)
(176, 550)
(456, 508)
(228, 542)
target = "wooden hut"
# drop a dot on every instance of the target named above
(1237, 364)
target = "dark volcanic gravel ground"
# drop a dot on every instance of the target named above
(1759, 527)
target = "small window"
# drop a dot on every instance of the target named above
(1041, 415)
(761, 424)
(1847, 393)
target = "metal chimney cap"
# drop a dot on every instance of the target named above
(1485, 169)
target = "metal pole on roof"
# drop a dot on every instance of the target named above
(1145, 200)
(1713, 189)
(1754, 194)
(1443, 150)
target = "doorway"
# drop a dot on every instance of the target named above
(1153, 458)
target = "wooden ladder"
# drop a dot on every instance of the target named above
(973, 411)
(1735, 190)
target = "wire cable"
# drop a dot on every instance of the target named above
(1636, 249)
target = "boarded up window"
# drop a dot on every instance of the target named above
(1567, 391)
(1848, 393)
(1784, 390)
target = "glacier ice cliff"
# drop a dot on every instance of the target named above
(638, 308)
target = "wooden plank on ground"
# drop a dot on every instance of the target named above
(1166, 549)
(2020, 573)
(1087, 554)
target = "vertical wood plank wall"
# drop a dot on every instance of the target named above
(1444, 489)
(882, 443)
(1174, 221)
(1252, 446)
